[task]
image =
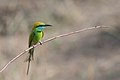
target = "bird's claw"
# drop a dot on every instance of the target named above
(40, 43)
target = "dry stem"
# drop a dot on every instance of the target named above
(50, 39)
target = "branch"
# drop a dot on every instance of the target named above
(50, 39)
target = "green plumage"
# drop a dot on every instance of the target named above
(35, 36)
(33, 39)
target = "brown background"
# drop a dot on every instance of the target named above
(90, 55)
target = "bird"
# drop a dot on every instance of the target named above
(35, 36)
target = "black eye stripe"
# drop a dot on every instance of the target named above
(40, 25)
(43, 25)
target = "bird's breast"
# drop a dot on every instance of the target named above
(38, 35)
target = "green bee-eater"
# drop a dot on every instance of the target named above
(35, 36)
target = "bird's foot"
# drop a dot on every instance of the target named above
(40, 43)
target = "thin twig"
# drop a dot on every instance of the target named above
(45, 41)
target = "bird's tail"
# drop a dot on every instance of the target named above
(30, 57)
(28, 64)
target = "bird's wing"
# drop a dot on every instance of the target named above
(31, 37)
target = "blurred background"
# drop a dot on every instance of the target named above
(89, 55)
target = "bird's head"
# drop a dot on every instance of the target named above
(40, 25)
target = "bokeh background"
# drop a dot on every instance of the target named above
(90, 55)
